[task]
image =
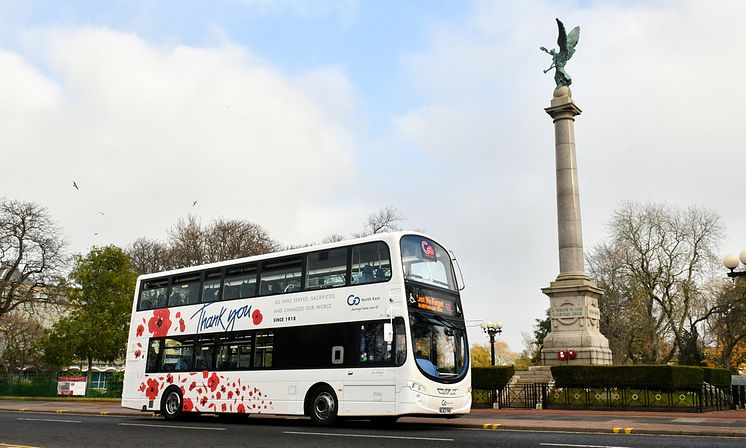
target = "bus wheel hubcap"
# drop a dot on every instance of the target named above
(324, 405)
(172, 403)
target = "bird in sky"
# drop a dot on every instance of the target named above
(194, 203)
(101, 213)
(75, 185)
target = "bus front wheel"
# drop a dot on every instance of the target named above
(171, 404)
(323, 407)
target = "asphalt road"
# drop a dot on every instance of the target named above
(92, 431)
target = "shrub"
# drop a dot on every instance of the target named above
(662, 377)
(717, 377)
(491, 377)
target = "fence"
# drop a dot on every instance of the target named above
(738, 394)
(706, 398)
(27, 384)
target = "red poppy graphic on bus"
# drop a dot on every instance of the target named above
(218, 392)
(257, 317)
(182, 325)
(152, 390)
(188, 405)
(140, 330)
(213, 382)
(159, 324)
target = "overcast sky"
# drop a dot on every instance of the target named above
(306, 116)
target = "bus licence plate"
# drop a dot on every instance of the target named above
(446, 410)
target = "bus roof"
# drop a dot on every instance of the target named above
(391, 237)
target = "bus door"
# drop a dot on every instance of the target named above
(370, 389)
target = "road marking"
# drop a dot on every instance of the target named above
(581, 446)
(490, 425)
(688, 420)
(49, 420)
(204, 428)
(11, 445)
(104, 413)
(367, 436)
(622, 430)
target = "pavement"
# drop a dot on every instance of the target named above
(731, 423)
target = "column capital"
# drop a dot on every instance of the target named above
(562, 105)
(563, 110)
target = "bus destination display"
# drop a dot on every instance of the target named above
(426, 300)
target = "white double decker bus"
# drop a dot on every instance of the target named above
(371, 327)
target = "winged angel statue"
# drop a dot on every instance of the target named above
(567, 43)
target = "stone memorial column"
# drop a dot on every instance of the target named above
(573, 297)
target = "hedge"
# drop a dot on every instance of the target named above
(661, 377)
(491, 377)
(717, 377)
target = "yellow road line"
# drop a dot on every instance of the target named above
(490, 426)
(622, 430)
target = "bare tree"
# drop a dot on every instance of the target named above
(149, 256)
(31, 255)
(656, 267)
(384, 220)
(728, 326)
(186, 240)
(333, 238)
(190, 243)
(226, 239)
(20, 335)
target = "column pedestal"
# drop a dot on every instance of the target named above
(574, 314)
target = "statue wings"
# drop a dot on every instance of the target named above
(567, 42)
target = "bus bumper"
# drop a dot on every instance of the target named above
(413, 402)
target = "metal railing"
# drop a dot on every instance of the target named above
(706, 398)
(25, 384)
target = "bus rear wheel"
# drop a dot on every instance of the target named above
(171, 404)
(323, 407)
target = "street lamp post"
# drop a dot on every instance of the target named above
(731, 262)
(492, 329)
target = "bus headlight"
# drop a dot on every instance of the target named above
(415, 386)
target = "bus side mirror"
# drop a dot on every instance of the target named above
(388, 332)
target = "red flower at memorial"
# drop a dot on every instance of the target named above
(188, 405)
(257, 317)
(159, 324)
(152, 390)
(140, 330)
(213, 382)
